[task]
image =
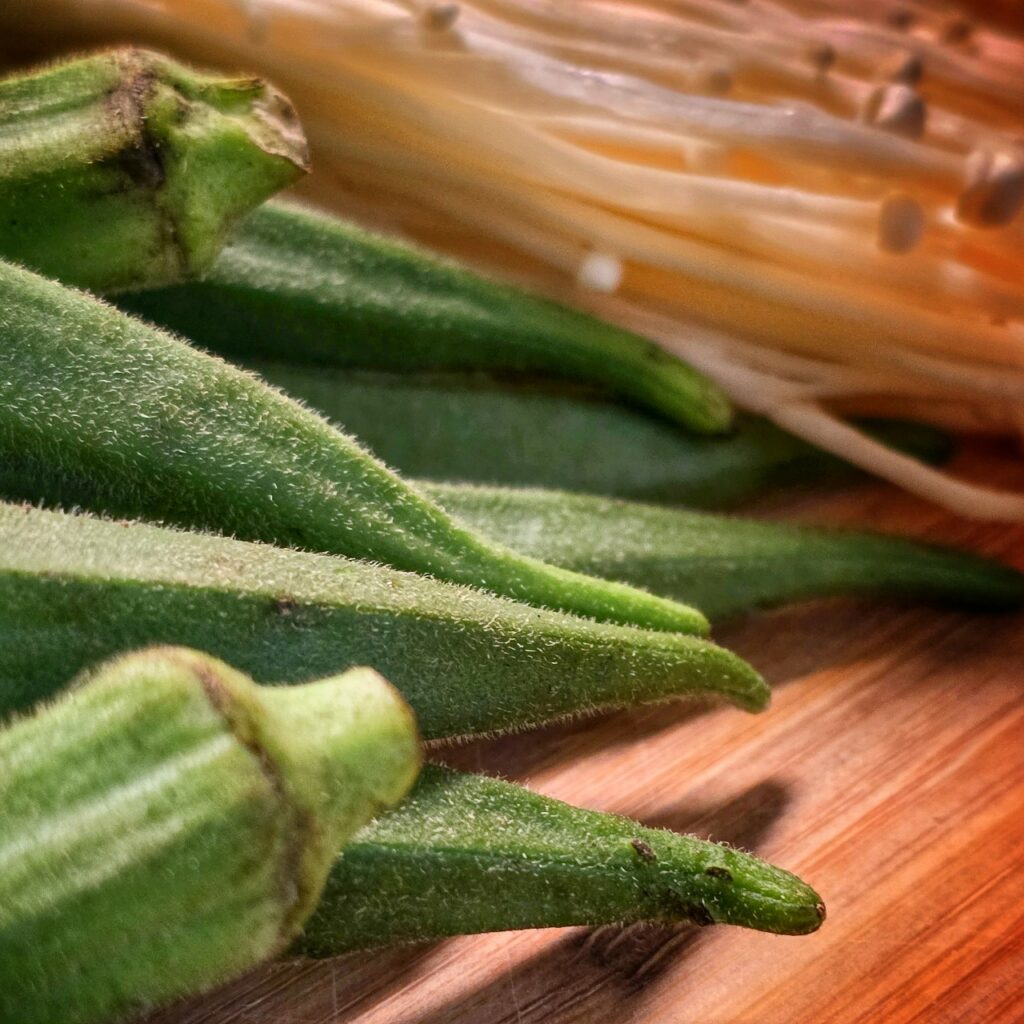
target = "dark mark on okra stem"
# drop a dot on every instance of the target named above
(75, 589)
(694, 911)
(103, 411)
(125, 168)
(142, 159)
(308, 288)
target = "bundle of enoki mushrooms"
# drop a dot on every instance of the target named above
(815, 201)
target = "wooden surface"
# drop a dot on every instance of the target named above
(889, 773)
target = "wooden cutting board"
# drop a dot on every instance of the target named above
(889, 773)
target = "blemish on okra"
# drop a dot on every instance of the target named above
(143, 162)
(716, 872)
(643, 850)
(699, 915)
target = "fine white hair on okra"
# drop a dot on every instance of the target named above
(725, 565)
(466, 853)
(105, 411)
(463, 428)
(76, 589)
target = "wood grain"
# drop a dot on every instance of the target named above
(889, 773)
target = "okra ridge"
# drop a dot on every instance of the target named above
(233, 699)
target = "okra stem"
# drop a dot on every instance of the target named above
(100, 410)
(167, 825)
(465, 853)
(125, 168)
(74, 589)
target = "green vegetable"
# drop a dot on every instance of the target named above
(125, 168)
(74, 589)
(167, 825)
(486, 431)
(309, 288)
(103, 411)
(466, 854)
(724, 565)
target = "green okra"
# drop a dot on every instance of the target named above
(464, 854)
(125, 168)
(292, 284)
(103, 411)
(168, 825)
(724, 565)
(480, 430)
(75, 589)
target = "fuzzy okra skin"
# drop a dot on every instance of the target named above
(725, 565)
(125, 168)
(102, 411)
(74, 589)
(464, 854)
(479, 430)
(167, 824)
(293, 284)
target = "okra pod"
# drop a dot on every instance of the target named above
(480, 430)
(100, 410)
(465, 853)
(75, 589)
(125, 168)
(167, 825)
(725, 565)
(296, 285)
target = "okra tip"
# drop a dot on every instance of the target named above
(638, 607)
(756, 697)
(661, 381)
(693, 400)
(746, 891)
(739, 682)
(605, 600)
(714, 883)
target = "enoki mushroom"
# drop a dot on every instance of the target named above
(815, 201)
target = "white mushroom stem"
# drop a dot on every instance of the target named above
(818, 202)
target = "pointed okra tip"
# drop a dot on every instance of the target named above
(666, 666)
(727, 675)
(609, 601)
(694, 400)
(711, 883)
(747, 891)
(749, 690)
